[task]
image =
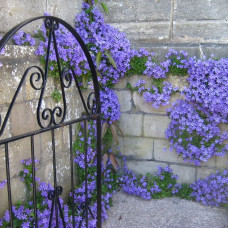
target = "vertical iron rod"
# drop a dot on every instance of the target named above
(72, 172)
(98, 172)
(8, 184)
(33, 178)
(86, 172)
(55, 179)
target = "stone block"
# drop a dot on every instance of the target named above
(178, 81)
(144, 167)
(13, 12)
(61, 8)
(201, 31)
(9, 81)
(47, 147)
(137, 147)
(155, 126)
(131, 124)
(124, 97)
(23, 118)
(202, 173)
(142, 106)
(74, 105)
(141, 31)
(217, 50)
(121, 84)
(186, 174)
(20, 54)
(18, 194)
(135, 78)
(200, 10)
(128, 11)
(162, 152)
(222, 162)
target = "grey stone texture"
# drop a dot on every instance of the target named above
(136, 147)
(13, 12)
(129, 211)
(155, 126)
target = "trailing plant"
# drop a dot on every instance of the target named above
(192, 134)
(213, 190)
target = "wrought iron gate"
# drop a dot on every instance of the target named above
(49, 119)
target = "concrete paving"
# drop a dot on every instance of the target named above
(130, 211)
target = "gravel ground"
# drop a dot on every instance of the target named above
(129, 211)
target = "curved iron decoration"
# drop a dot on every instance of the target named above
(57, 115)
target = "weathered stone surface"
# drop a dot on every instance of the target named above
(23, 118)
(162, 152)
(13, 12)
(65, 10)
(131, 124)
(201, 31)
(18, 194)
(121, 84)
(128, 11)
(9, 81)
(137, 147)
(124, 100)
(222, 162)
(144, 30)
(200, 10)
(204, 172)
(178, 81)
(142, 106)
(20, 150)
(155, 126)
(186, 174)
(6, 133)
(135, 78)
(144, 167)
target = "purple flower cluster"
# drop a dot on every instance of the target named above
(21, 38)
(159, 96)
(70, 53)
(208, 87)
(212, 190)
(164, 183)
(101, 37)
(110, 107)
(192, 135)
(3, 183)
(156, 70)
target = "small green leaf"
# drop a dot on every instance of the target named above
(128, 86)
(112, 61)
(105, 7)
(98, 58)
(95, 2)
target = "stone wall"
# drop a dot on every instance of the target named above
(198, 26)
(144, 135)
(23, 119)
(12, 12)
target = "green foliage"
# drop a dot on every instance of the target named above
(56, 95)
(174, 69)
(137, 65)
(185, 192)
(163, 184)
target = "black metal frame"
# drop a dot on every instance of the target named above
(51, 116)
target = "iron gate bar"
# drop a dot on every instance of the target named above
(92, 109)
(33, 178)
